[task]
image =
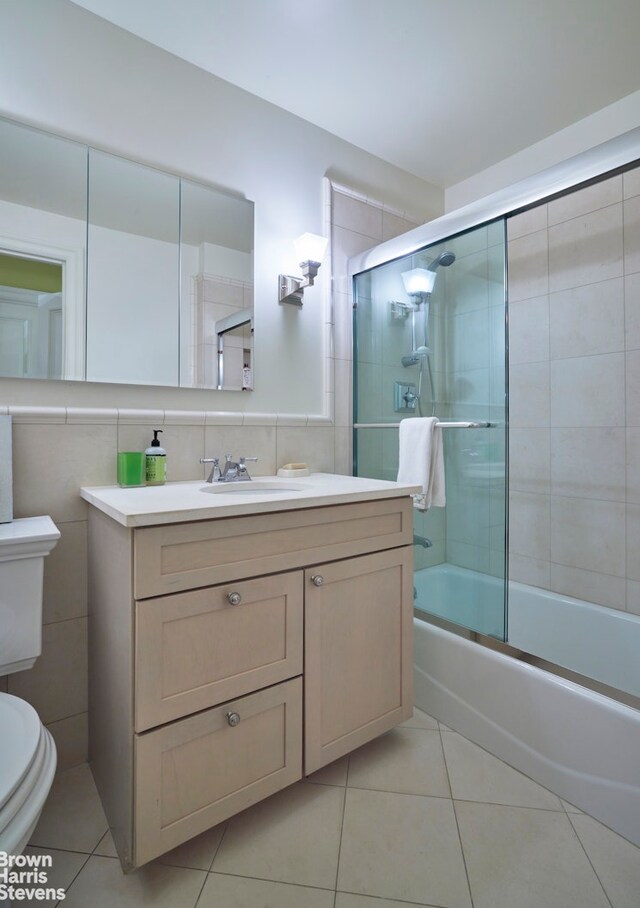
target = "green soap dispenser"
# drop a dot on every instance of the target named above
(156, 462)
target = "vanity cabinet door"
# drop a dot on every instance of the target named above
(194, 773)
(358, 652)
(196, 649)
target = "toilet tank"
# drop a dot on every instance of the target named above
(24, 544)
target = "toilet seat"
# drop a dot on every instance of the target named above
(29, 772)
(21, 730)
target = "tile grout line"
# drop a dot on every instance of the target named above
(260, 879)
(455, 815)
(84, 864)
(344, 808)
(625, 404)
(219, 845)
(207, 872)
(586, 853)
(383, 898)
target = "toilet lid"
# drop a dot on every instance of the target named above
(20, 730)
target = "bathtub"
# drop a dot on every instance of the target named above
(600, 643)
(580, 744)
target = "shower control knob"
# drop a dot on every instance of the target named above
(317, 580)
(234, 598)
(233, 719)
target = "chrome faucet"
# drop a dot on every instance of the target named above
(232, 471)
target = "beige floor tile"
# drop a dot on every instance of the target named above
(198, 853)
(292, 837)
(73, 818)
(407, 760)
(615, 860)
(476, 775)
(64, 868)
(349, 900)
(402, 847)
(223, 891)
(102, 884)
(420, 719)
(517, 856)
(333, 774)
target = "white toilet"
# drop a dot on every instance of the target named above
(27, 751)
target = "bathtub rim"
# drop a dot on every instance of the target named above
(536, 662)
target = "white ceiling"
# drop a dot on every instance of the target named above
(441, 88)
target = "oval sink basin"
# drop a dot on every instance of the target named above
(254, 487)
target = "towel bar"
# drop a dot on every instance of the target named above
(439, 425)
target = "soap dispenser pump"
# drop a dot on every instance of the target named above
(156, 462)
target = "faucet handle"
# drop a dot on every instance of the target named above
(244, 460)
(214, 475)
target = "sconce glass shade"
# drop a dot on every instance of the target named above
(310, 247)
(418, 281)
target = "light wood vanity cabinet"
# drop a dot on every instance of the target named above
(218, 646)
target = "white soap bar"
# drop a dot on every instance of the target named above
(293, 469)
(6, 472)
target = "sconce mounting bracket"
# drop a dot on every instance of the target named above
(289, 290)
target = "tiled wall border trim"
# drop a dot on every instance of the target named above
(370, 200)
(103, 416)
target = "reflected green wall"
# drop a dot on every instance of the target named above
(30, 274)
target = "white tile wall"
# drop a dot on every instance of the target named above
(359, 224)
(587, 320)
(574, 451)
(586, 249)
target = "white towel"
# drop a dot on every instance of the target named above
(421, 460)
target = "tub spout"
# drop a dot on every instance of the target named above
(423, 541)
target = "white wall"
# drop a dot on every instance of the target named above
(230, 262)
(606, 124)
(64, 69)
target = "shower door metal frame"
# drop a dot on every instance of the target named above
(615, 155)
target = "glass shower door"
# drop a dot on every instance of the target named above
(441, 352)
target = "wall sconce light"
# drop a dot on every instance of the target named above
(310, 250)
(418, 281)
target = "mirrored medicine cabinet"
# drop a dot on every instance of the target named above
(112, 271)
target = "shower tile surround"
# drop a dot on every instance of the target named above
(574, 375)
(58, 449)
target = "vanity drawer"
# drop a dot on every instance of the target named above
(196, 649)
(196, 772)
(188, 555)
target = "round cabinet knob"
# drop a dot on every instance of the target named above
(317, 580)
(233, 719)
(234, 598)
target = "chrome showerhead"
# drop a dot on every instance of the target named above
(445, 259)
(416, 356)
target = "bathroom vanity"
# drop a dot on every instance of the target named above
(239, 640)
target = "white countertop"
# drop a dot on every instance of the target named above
(177, 502)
